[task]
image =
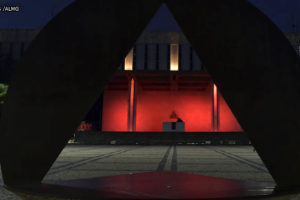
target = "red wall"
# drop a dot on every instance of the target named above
(155, 107)
(115, 109)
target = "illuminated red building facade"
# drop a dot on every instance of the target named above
(168, 78)
(162, 80)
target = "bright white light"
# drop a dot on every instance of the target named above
(128, 64)
(174, 57)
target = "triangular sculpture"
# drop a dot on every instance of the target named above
(62, 75)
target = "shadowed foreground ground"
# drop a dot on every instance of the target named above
(81, 162)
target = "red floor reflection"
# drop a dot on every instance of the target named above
(169, 185)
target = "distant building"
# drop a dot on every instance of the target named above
(13, 43)
(294, 38)
(161, 81)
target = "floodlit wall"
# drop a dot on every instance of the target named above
(115, 111)
(155, 107)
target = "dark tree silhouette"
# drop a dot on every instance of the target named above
(3, 91)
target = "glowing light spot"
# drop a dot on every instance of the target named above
(128, 64)
(174, 57)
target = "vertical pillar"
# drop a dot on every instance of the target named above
(131, 120)
(134, 105)
(215, 108)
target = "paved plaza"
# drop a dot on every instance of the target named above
(81, 162)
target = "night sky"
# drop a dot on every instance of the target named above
(36, 14)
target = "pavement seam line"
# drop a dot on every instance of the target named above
(250, 161)
(174, 160)
(163, 161)
(245, 159)
(82, 160)
(88, 160)
(241, 161)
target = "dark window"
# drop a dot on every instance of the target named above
(179, 57)
(173, 125)
(168, 58)
(146, 58)
(134, 58)
(191, 58)
(157, 57)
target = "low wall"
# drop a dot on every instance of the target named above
(160, 138)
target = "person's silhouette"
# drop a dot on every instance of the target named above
(179, 120)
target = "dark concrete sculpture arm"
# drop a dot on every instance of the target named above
(60, 77)
(74, 56)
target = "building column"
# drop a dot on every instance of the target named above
(131, 122)
(215, 108)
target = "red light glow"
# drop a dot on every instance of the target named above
(131, 102)
(84, 126)
(155, 107)
(216, 108)
(195, 108)
(115, 111)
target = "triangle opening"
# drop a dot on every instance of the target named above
(148, 94)
(161, 74)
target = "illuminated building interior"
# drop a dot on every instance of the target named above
(160, 80)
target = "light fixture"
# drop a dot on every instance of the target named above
(174, 57)
(128, 64)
